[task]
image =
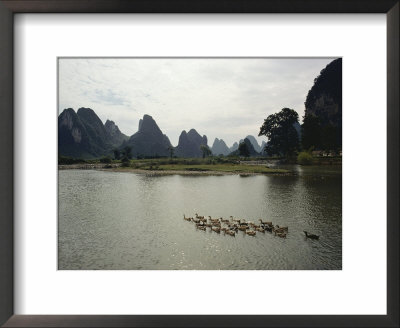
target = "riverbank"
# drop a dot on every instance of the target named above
(193, 172)
(205, 169)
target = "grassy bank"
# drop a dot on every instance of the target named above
(207, 168)
(195, 166)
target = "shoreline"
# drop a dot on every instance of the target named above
(119, 168)
(188, 173)
(116, 167)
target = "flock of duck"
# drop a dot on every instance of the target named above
(231, 226)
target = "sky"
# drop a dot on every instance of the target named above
(221, 98)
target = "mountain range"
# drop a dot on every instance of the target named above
(190, 144)
(251, 150)
(149, 141)
(82, 134)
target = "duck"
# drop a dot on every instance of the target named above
(251, 233)
(260, 230)
(242, 228)
(201, 227)
(265, 222)
(233, 228)
(279, 229)
(230, 233)
(217, 230)
(213, 220)
(268, 228)
(280, 234)
(235, 220)
(311, 236)
(185, 218)
(283, 228)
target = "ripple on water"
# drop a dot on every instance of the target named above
(110, 220)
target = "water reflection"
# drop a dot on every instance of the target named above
(110, 220)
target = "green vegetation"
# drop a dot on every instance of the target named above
(205, 151)
(243, 149)
(171, 151)
(322, 121)
(117, 154)
(230, 168)
(106, 160)
(279, 128)
(64, 160)
(210, 164)
(304, 158)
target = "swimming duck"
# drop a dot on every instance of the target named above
(311, 236)
(265, 222)
(283, 228)
(280, 234)
(251, 233)
(230, 233)
(185, 218)
(269, 229)
(216, 229)
(213, 220)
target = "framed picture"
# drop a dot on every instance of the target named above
(293, 278)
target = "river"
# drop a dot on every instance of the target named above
(128, 221)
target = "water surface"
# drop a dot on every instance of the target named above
(113, 220)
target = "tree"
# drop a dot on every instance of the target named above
(329, 133)
(205, 150)
(127, 152)
(117, 154)
(125, 161)
(106, 160)
(171, 151)
(283, 139)
(304, 158)
(311, 132)
(243, 149)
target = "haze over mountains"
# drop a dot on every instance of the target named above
(83, 135)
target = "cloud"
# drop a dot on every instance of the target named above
(225, 98)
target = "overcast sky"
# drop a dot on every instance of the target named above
(221, 98)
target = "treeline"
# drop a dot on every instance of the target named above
(321, 129)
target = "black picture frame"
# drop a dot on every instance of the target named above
(10, 7)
